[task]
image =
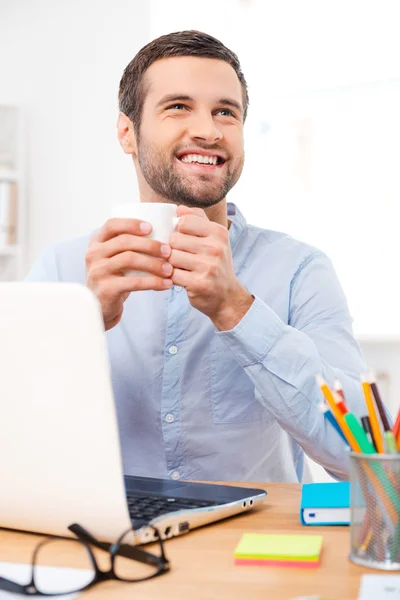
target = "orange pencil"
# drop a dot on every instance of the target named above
(396, 426)
(330, 399)
(339, 390)
(396, 431)
(372, 415)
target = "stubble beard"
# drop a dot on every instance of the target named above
(159, 173)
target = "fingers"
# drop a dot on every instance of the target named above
(182, 278)
(210, 245)
(201, 227)
(126, 242)
(131, 261)
(151, 282)
(185, 210)
(194, 225)
(183, 260)
(118, 248)
(115, 227)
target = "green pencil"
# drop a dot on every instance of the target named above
(358, 431)
(389, 442)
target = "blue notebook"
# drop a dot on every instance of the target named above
(325, 503)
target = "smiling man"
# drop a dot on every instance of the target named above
(214, 353)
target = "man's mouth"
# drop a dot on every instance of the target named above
(203, 160)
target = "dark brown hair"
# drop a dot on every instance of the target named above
(132, 88)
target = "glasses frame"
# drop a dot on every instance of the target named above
(161, 563)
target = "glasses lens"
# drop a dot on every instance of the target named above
(62, 566)
(143, 567)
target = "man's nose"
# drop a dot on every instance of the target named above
(203, 127)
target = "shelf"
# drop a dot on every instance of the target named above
(9, 175)
(9, 250)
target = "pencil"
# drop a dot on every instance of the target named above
(372, 415)
(396, 426)
(339, 390)
(331, 401)
(331, 419)
(389, 442)
(379, 403)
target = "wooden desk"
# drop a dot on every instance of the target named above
(202, 561)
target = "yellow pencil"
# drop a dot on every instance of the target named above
(376, 430)
(337, 413)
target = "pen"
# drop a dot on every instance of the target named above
(367, 427)
(372, 415)
(379, 403)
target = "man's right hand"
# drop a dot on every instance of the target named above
(118, 247)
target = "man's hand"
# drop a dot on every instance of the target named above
(202, 261)
(117, 248)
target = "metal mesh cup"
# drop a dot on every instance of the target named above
(375, 510)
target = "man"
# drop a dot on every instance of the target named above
(213, 354)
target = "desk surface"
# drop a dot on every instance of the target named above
(202, 561)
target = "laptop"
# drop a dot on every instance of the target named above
(60, 459)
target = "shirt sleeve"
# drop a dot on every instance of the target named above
(283, 360)
(45, 268)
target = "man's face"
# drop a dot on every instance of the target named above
(190, 143)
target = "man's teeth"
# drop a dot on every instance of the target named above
(206, 160)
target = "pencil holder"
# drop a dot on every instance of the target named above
(375, 510)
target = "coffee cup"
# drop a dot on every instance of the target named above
(160, 215)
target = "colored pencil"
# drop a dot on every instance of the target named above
(379, 403)
(342, 401)
(366, 446)
(331, 401)
(389, 442)
(331, 419)
(372, 415)
(396, 426)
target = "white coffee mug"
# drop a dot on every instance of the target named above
(160, 215)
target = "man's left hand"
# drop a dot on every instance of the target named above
(203, 265)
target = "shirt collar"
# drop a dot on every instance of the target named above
(238, 223)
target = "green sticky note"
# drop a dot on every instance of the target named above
(279, 546)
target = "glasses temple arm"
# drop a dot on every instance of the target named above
(11, 586)
(126, 550)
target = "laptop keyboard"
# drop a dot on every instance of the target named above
(147, 508)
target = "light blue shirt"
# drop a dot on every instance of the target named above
(238, 405)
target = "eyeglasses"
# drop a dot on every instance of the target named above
(128, 563)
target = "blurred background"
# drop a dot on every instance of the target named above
(322, 136)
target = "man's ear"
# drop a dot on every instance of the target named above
(126, 134)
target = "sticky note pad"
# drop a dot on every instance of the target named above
(279, 549)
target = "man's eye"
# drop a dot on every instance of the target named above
(176, 107)
(225, 112)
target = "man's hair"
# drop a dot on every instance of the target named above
(132, 88)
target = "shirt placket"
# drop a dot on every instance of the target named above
(178, 306)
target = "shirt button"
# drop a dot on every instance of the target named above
(170, 418)
(178, 288)
(175, 475)
(172, 349)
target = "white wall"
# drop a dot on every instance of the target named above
(62, 62)
(323, 133)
